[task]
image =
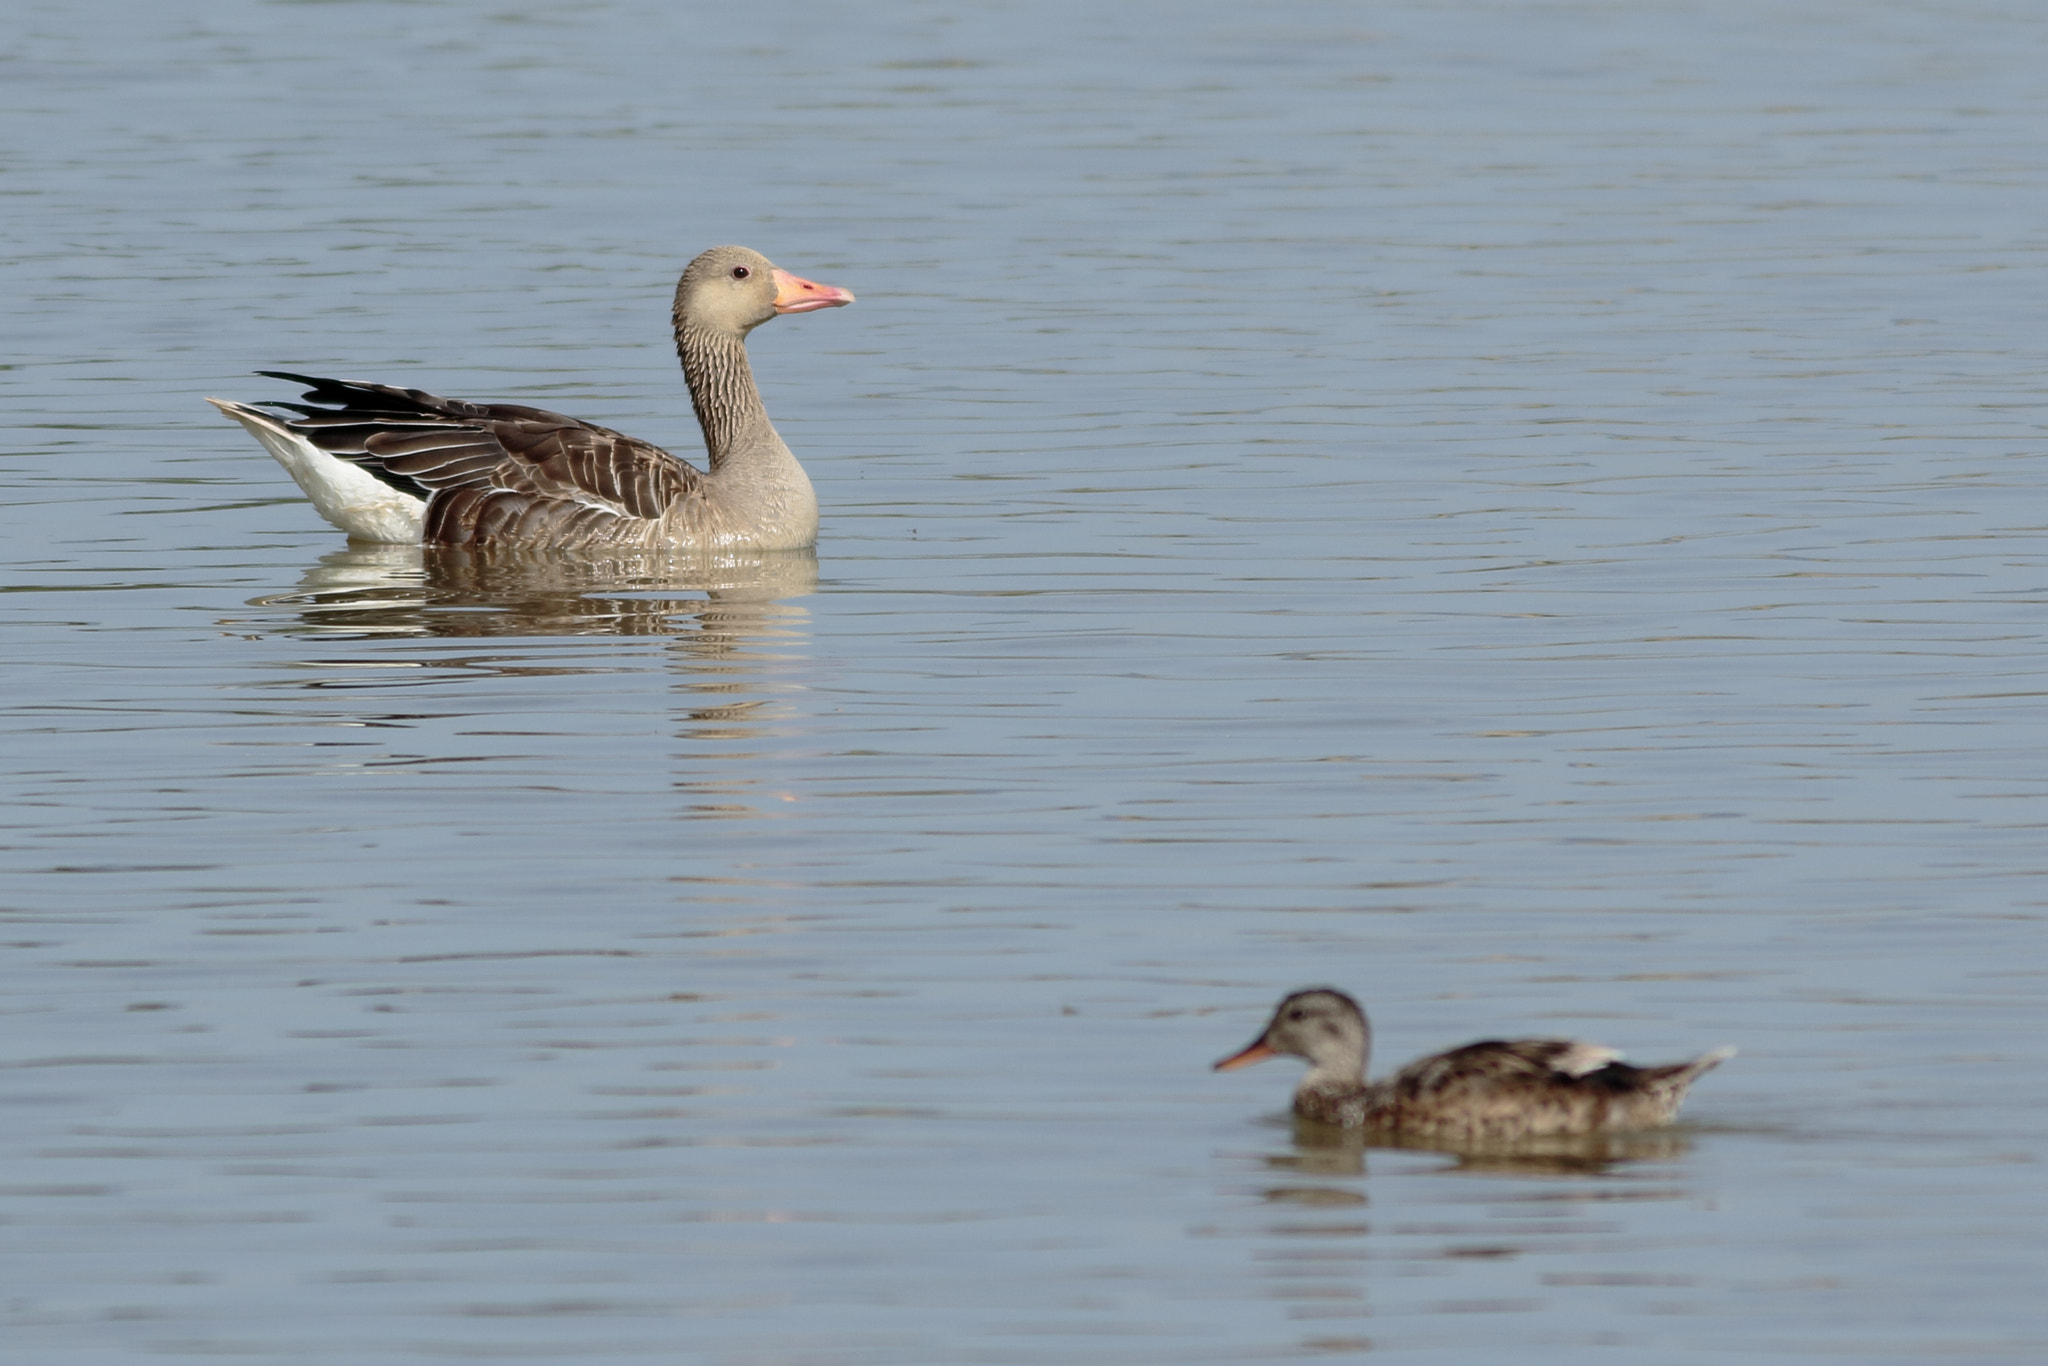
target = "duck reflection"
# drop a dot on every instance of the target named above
(1327, 1151)
(1326, 1237)
(464, 593)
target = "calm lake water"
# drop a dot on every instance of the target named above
(1531, 512)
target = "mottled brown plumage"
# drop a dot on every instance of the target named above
(401, 465)
(1491, 1092)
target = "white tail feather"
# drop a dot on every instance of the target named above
(343, 492)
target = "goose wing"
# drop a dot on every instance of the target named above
(494, 471)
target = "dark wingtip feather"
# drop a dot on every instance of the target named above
(313, 383)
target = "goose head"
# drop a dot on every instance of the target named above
(733, 290)
(1322, 1025)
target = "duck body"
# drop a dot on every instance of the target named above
(1495, 1091)
(403, 466)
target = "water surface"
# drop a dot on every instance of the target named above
(1529, 512)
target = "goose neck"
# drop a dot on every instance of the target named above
(722, 390)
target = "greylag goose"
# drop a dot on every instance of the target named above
(402, 466)
(1492, 1092)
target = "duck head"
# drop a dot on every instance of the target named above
(1322, 1025)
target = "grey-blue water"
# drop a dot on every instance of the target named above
(1531, 512)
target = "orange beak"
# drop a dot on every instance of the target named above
(1258, 1052)
(795, 294)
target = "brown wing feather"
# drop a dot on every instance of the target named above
(566, 458)
(1521, 1087)
(495, 470)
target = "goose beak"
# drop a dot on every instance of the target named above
(1258, 1052)
(795, 294)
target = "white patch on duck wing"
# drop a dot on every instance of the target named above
(1577, 1058)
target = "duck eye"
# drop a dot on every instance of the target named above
(1297, 1015)
(740, 272)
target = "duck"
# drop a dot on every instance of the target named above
(1491, 1092)
(402, 466)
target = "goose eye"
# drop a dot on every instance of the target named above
(740, 272)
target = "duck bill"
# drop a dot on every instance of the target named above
(1258, 1052)
(795, 294)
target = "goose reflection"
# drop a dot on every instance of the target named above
(368, 591)
(726, 622)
